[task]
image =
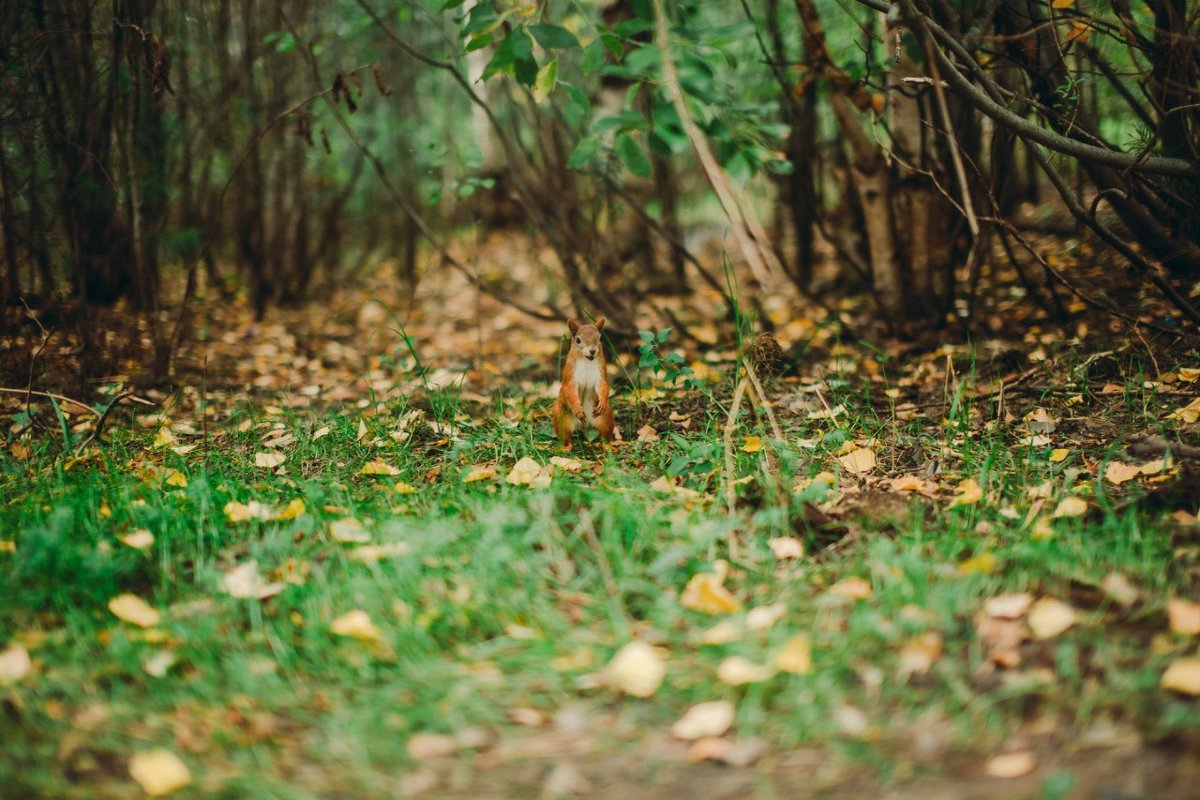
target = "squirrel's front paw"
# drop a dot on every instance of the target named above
(579, 415)
(602, 410)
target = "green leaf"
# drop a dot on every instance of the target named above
(583, 153)
(632, 156)
(593, 57)
(481, 17)
(479, 41)
(515, 55)
(553, 37)
(547, 77)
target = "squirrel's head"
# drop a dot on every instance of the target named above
(585, 339)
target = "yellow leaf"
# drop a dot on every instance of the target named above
(859, 461)
(637, 669)
(292, 510)
(1059, 4)
(159, 772)
(356, 624)
(141, 539)
(244, 583)
(1189, 374)
(737, 671)
(1008, 606)
(1011, 765)
(705, 593)
(379, 467)
(1049, 617)
(753, 444)
(703, 720)
(104, 511)
(1118, 472)
(763, 617)
(566, 464)
(528, 472)
(403, 488)
(969, 492)
(1070, 507)
(164, 438)
(133, 609)
(480, 473)
(1183, 676)
(269, 460)
(984, 563)
(795, 656)
(786, 547)
(177, 478)
(1059, 454)
(240, 512)
(1189, 413)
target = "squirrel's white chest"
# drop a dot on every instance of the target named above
(587, 377)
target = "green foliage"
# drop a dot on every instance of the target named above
(672, 365)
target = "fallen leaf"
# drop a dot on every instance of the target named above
(371, 553)
(734, 753)
(15, 664)
(379, 467)
(858, 461)
(763, 617)
(795, 656)
(1011, 765)
(1059, 454)
(723, 632)
(1070, 507)
(853, 588)
(1049, 617)
(566, 464)
(647, 433)
(705, 593)
(320, 432)
(356, 624)
(982, 563)
(244, 583)
(362, 431)
(1183, 617)
(159, 664)
(918, 655)
(292, 510)
(915, 484)
(1188, 414)
(177, 479)
(403, 488)
(348, 529)
(426, 746)
(240, 512)
(269, 460)
(637, 669)
(737, 670)
(159, 772)
(528, 472)
(1008, 606)
(968, 493)
(133, 609)
(752, 445)
(1118, 472)
(703, 720)
(1183, 676)
(786, 548)
(1118, 587)
(140, 539)
(1189, 374)
(479, 472)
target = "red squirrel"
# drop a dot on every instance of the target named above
(583, 399)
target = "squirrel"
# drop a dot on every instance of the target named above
(583, 398)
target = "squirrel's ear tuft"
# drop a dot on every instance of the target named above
(573, 325)
(600, 323)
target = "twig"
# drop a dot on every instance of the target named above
(730, 492)
(98, 430)
(59, 397)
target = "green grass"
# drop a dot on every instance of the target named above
(505, 598)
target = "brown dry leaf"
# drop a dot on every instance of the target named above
(637, 669)
(853, 588)
(372, 553)
(133, 609)
(920, 654)
(348, 530)
(705, 593)
(858, 461)
(795, 656)
(1011, 765)
(566, 464)
(763, 617)
(1040, 421)
(737, 671)
(1118, 587)
(140, 539)
(380, 467)
(356, 624)
(269, 460)
(1118, 472)
(480, 472)
(968, 493)
(734, 753)
(1189, 374)
(1050, 617)
(362, 431)
(704, 720)
(1008, 606)
(15, 664)
(646, 433)
(1070, 507)
(528, 472)
(753, 444)
(1183, 617)
(159, 772)
(1183, 676)
(426, 746)
(916, 485)
(244, 583)
(723, 632)
(320, 432)
(786, 547)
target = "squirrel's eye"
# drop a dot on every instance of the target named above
(578, 340)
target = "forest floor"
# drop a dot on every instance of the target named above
(345, 559)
